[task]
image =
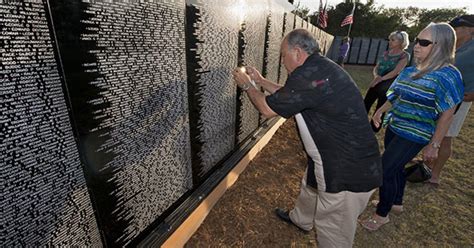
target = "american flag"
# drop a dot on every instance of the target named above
(323, 15)
(349, 18)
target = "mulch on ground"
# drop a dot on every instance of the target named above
(433, 217)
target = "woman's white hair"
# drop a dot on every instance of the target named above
(442, 53)
(402, 36)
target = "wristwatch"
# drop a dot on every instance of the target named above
(436, 145)
(252, 82)
(245, 87)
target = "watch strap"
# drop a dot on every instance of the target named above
(245, 87)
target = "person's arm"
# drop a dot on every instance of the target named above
(401, 64)
(377, 77)
(260, 80)
(393, 73)
(430, 152)
(258, 100)
(256, 96)
(468, 97)
(377, 117)
(374, 71)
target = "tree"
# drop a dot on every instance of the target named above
(425, 17)
(301, 11)
(365, 16)
(378, 22)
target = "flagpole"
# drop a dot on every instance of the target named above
(350, 25)
(349, 32)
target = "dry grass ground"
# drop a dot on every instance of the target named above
(433, 217)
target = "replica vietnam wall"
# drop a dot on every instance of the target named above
(117, 114)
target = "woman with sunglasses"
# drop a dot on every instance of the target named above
(421, 103)
(387, 69)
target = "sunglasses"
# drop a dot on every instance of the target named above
(423, 42)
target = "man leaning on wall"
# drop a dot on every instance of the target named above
(344, 158)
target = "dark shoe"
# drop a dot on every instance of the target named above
(284, 215)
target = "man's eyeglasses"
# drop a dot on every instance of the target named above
(423, 42)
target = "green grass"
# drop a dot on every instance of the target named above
(362, 75)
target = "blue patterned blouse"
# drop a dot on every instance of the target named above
(417, 104)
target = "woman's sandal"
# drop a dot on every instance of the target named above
(396, 209)
(431, 183)
(372, 224)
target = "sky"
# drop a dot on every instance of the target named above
(430, 4)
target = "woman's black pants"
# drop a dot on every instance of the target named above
(377, 93)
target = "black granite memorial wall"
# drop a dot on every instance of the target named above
(213, 50)
(274, 36)
(44, 198)
(363, 51)
(252, 30)
(114, 112)
(124, 63)
(288, 25)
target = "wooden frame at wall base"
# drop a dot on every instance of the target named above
(184, 232)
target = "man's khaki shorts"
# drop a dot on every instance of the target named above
(458, 119)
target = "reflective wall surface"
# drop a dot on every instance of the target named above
(44, 195)
(214, 29)
(113, 111)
